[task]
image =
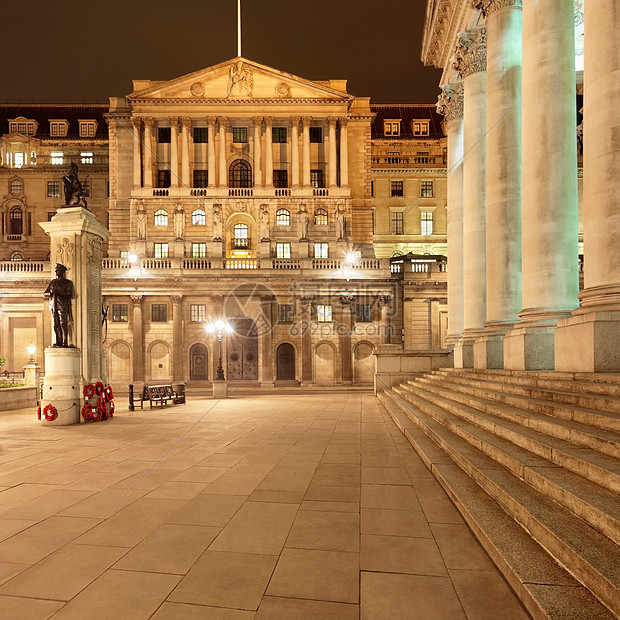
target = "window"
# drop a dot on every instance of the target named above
(320, 217)
(57, 158)
(316, 134)
(17, 187)
(426, 189)
(285, 313)
(278, 135)
(107, 189)
(372, 189)
(362, 313)
(17, 255)
(31, 129)
(199, 218)
(316, 178)
(159, 313)
(280, 178)
(324, 314)
(88, 129)
(397, 188)
(21, 127)
(391, 128)
(241, 231)
(119, 313)
(420, 128)
(125, 254)
(321, 250)
(283, 250)
(397, 223)
(16, 217)
(163, 135)
(240, 174)
(87, 158)
(197, 313)
(426, 223)
(240, 134)
(201, 135)
(201, 178)
(161, 250)
(58, 129)
(199, 250)
(283, 217)
(163, 178)
(19, 159)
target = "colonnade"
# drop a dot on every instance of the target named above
(512, 189)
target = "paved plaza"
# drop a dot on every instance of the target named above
(270, 507)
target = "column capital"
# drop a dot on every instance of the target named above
(257, 121)
(332, 120)
(268, 121)
(267, 299)
(487, 7)
(385, 300)
(210, 121)
(344, 121)
(174, 121)
(137, 122)
(346, 300)
(306, 120)
(294, 120)
(222, 121)
(307, 300)
(470, 53)
(450, 101)
(176, 299)
(137, 299)
(186, 122)
(148, 121)
(217, 299)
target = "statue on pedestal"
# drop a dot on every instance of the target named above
(341, 221)
(74, 192)
(60, 292)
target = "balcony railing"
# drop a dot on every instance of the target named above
(240, 243)
(422, 160)
(24, 266)
(258, 192)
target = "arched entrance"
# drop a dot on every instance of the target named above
(243, 350)
(325, 364)
(198, 362)
(119, 363)
(285, 355)
(363, 363)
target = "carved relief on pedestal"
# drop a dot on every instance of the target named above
(470, 53)
(450, 102)
(94, 250)
(64, 253)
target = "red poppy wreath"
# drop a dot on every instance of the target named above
(50, 413)
(89, 390)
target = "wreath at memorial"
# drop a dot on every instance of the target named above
(50, 413)
(103, 409)
(111, 409)
(109, 396)
(39, 412)
(89, 390)
(87, 412)
(99, 388)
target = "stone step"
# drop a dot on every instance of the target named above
(546, 588)
(518, 408)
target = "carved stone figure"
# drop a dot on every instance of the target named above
(240, 80)
(74, 192)
(179, 222)
(217, 223)
(264, 223)
(141, 221)
(60, 292)
(341, 221)
(303, 222)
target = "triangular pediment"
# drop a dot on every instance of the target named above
(240, 79)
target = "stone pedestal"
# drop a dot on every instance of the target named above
(529, 347)
(32, 372)
(464, 353)
(62, 385)
(220, 389)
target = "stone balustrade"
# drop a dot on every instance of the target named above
(252, 192)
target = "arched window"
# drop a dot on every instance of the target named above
(17, 187)
(320, 217)
(17, 221)
(161, 217)
(240, 174)
(241, 231)
(17, 256)
(199, 218)
(283, 217)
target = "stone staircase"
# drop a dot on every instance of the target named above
(532, 462)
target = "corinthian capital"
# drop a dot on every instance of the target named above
(470, 53)
(450, 101)
(486, 7)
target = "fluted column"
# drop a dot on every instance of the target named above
(503, 178)
(295, 151)
(258, 175)
(305, 151)
(268, 152)
(186, 124)
(137, 144)
(588, 342)
(211, 150)
(138, 338)
(223, 176)
(178, 360)
(549, 220)
(470, 63)
(148, 153)
(174, 152)
(450, 104)
(344, 152)
(332, 161)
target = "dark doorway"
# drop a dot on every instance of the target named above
(198, 362)
(243, 350)
(286, 362)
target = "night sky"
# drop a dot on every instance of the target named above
(67, 50)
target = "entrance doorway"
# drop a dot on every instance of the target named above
(243, 350)
(198, 363)
(286, 362)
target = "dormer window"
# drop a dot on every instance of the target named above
(88, 128)
(391, 128)
(23, 125)
(58, 128)
(420, 128)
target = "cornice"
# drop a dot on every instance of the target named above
(289, 101)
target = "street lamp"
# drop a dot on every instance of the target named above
(219, 328)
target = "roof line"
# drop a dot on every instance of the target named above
(56, 102)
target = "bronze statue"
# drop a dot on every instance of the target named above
(60, 292)
(74, 192)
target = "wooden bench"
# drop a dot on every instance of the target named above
(159, 394)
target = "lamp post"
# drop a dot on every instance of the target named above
(32, 349)
(31, 369)
(219, 328)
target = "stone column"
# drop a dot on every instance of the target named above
(137, 144)
(223, 176)
(503, 178)
(384, 305)
(268, 152)
(549, 220)
(344, 337)
(258, 175)
(148, 153)
(138, 338)
(178, 358)
(185, 158)
(295, 151)
(174, 152)
(305, 151)
(332, 161)
(266, 340)
(470, 63)
(450, 104)
(211, 150)
(588, 342)
(344, 152)
(307, 353)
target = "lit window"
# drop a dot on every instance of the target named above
(161, 218)
(316, 178)
(18, 160)
(199, 217)
(283, 250)
(22, 127)
(397, 223)
(197, 313)
(285, 313)
(57, 158)
(278, 135)
(88, 129)
(426, 189)
(316, 134)
(199, 250)
(31, 129)
(280, 178)
(320, 217)
(58, 129)
(362, 313)
(17, 255)
(124, 255)
(241, 231)
(87, 158)
(17, 187)
(240, 174)
(201, 135)
(240, 134)
(420, 128)
(201, 178)
(163, 135)
(324, 314)
(161, 250)
(53, 189)
(391, 128)
(120, 313)
(397, 188)
(321, 250)
(426, 223)
(159, 313)
(283, 217)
